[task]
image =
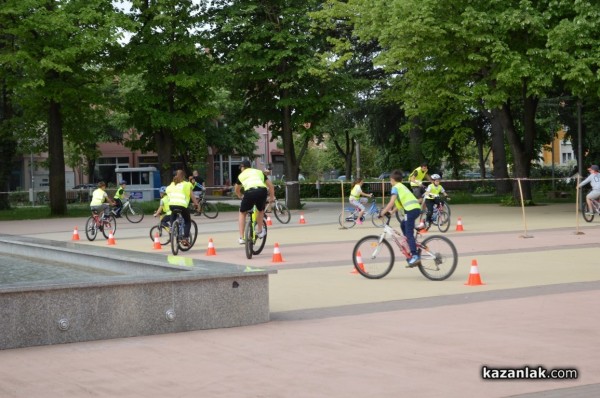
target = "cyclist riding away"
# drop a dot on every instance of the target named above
(356, 200)
(119, 196)
(416, 180)
(434, 194)
(180, 193)
(198, 187)
(164, 208)
(594, 180)
(257, 187)
(402, 198)
(99, 197)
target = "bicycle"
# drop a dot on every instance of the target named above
(349, 216)
(177, 233)
(104, 224)
(279, 210)
(250, 235)
(373, 255)
(163, 230)
(440, 216)
(208, 209)
(586, 212)
(132, 211)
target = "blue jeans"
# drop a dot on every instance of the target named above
(408, 228)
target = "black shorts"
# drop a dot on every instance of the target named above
(254, 197)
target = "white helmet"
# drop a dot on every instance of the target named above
(436, 177)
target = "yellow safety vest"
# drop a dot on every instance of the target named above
(120, 193)
(165, 205)
(419, 174)
(405, 199)
(354, 194)
(179, 194)
(252, 178)
(98, 197)
(433, 191)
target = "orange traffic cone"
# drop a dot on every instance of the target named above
(302, 220)
(474, 277)
(211, 248)
(157, 245)
(459, 225)
(75, 234)
(111, 238)
(359, 263)
(277, 254)
(269, 222)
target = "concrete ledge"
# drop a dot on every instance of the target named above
(118, 293)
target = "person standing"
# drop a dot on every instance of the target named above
(594, 180)
(257, 187)
(403, 199)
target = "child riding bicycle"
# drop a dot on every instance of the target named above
(434, 195)
(357, 200)
(163, 208)
(594, 180)
(119, 196)
(99, 197)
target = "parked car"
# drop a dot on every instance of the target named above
(384, 176)
(85, 186)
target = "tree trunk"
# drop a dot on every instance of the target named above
(164, 151)
(56, 157)
(503, 185)
(291, 163)
(415, 141)
(8, 148)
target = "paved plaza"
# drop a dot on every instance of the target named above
(334, 333)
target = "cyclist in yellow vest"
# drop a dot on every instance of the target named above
(163, 207)
(356, 200)
(180, 193)
(119, 196)
(99, 199)
(416, 180)
(257, 187)
(403, 199)
(434, 194)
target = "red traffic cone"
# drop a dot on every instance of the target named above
(211, 248)
(302, 220)
(111, 238)
(459, 225)
(269, 222)
(474, 277)
(157, 245)
(359, 263)
(277, 254)
(75, 234)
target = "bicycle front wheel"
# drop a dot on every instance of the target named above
(164, 234)
(377, 221)
(109, 225)
(259, 244)
(91, 231)
(191, 238)
(134, 213)
(175, 237)
(586, 212)
(443, 221)
(282, 213)
(438, 258)
(248, 239)
(373, 259)
(347, 219)
(210, 210)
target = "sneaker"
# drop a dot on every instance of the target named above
(414, 261)
(261, 234)
(241, 241)
(185, 242)
(359, 222)
(421, 225)
(587, 213)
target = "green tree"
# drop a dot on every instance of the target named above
(60, 49)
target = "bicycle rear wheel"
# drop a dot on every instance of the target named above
(373, 259)
(175, 237)
(586, 212)
(248, 239)
(210, 210)
(134, 213)
(438, 258)
(191, 238)
(347, 219)
(259, 244)
(91, 231)
(443, 221)
(164, 234)
(282, 213)
(109, 225)
(447, 209)
(378, 222)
